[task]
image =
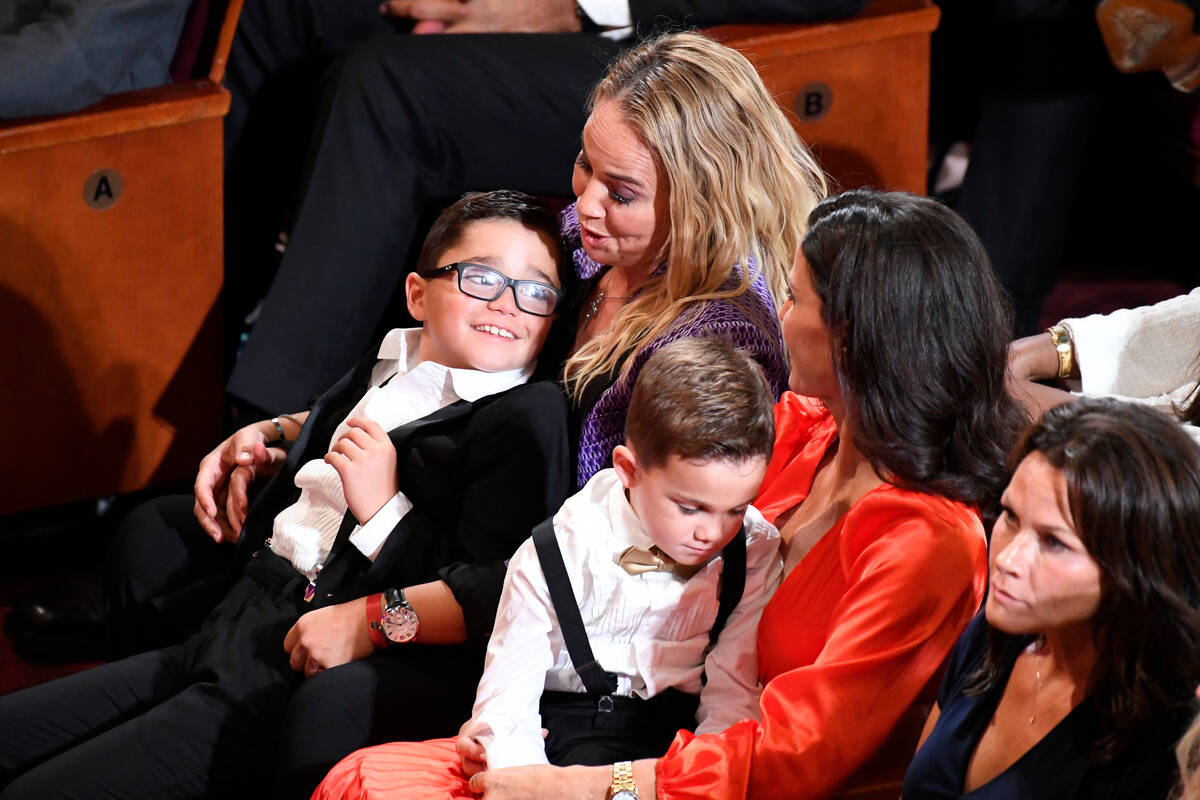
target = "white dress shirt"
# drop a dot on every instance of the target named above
(649, 629)
(1147, 355)
(403, 388)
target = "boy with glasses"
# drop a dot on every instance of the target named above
(395, 501)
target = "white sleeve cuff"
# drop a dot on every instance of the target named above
(369, 538)
(515, 749)
(608, 13)
(1138, 352)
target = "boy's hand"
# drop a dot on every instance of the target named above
(471, 755)
(224, 477)
(365, 458)
(329, 637)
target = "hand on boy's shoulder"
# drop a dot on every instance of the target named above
(365, 459)
(224, 478)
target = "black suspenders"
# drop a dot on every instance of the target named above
(597, 682)
(600, 684)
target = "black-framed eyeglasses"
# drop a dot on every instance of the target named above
(485, 283)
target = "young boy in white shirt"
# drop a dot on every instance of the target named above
(648, 546)
(418, 474)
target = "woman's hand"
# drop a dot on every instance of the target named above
(329, 637)
(224, 478)
(1032, 359)
(545, 782)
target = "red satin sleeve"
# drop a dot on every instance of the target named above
(914, 571)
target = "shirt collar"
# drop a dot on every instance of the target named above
(627, 528)
(403, 345)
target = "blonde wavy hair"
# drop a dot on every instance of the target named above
(741, 184)
(1187, 755)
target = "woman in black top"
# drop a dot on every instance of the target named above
(1079, 675)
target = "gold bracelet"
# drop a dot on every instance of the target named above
(1064, 348)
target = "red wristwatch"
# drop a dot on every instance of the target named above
(392, 620)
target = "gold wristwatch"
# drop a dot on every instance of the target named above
(623, 786)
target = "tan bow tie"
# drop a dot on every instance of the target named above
(636, 560)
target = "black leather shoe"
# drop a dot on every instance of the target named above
(64, 623)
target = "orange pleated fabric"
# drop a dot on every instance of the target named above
(846, 645)
(398, 770)
(849, 640)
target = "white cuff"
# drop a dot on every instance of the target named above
(515, 749)
(369, 537)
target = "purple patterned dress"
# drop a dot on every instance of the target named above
(749, 321)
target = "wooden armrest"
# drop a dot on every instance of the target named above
(118, 113)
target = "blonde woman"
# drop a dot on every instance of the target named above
(692, 194)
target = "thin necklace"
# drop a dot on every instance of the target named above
(1037, 674)
(597, 301)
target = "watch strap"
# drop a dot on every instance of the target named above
(622, 780)
(375, 621)
(394, 598)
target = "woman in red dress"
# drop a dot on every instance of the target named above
(889, 446)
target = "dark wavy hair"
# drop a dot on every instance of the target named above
(919, 330)
(1133, 488)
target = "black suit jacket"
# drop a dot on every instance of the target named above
(479, 475)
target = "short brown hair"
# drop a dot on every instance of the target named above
(519, 207)
(700, 399)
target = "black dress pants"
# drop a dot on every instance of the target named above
(406, 123)
(629, 728)
(206, 718)
(162, 576)
(194, 720)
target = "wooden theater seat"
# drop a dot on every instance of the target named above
(111, 225)
(859, 88)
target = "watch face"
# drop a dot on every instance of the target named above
(400, 624)
(624, 794)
